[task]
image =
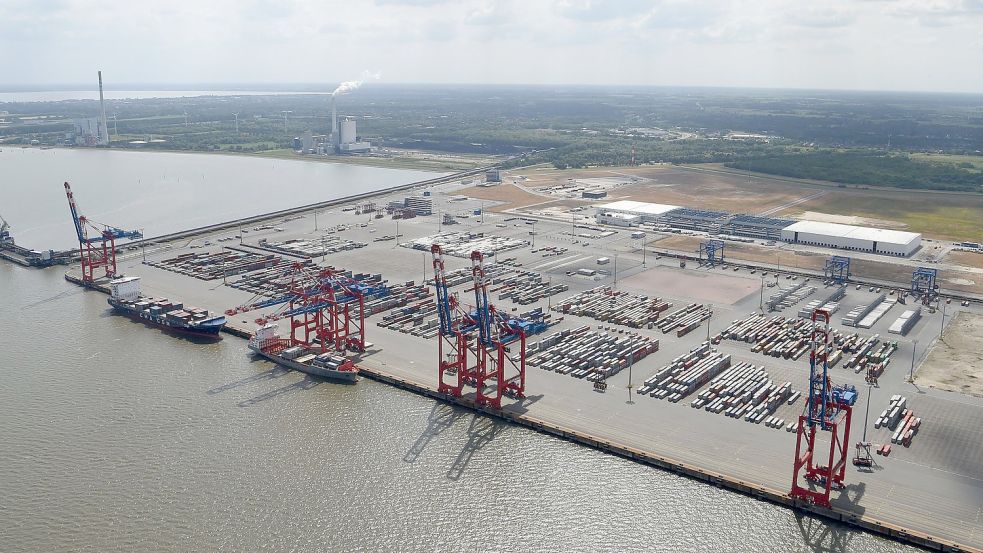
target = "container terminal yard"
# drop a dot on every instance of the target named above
(683, 360)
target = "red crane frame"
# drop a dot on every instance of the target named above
(825, 411)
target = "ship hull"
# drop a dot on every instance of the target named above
(341, 376)
(211, 331)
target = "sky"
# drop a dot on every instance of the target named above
(921, 45)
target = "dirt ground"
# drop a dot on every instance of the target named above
(953, 280)
(956, 361)
(965, 259)
(510, 196)
(748, 252)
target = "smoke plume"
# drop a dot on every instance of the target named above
(349, 86)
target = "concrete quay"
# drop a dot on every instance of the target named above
(930, 494)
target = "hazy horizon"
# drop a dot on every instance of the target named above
(326, 87)
(870, 45)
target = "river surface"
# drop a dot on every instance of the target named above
(116, 437)
(162, 192)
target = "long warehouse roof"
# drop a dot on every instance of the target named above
(857, 233)
(638, 207)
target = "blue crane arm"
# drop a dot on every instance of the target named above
(75, 213)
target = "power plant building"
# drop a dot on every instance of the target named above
(849, 237)
(87, 132)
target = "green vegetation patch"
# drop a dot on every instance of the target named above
(868, 168)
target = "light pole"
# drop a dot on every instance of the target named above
(709, 316)
(424, 268)
(143, 244)
(870, 390)
(761, 299)
(644, 243)
(616, 270)
(533, 244)
(911, 373)
(942, 326)
(549, 296)
(397, 231)
(631, 362)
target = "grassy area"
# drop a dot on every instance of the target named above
(972, 164)
(941, 216)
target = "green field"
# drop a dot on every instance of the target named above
(944, 216)
(970, 163)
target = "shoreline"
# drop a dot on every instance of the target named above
(651, 458)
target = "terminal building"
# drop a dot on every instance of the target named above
(830, 235)
(849, 237)
(626, 213)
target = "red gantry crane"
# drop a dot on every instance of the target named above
(325, 307)
(830, 409)
(453, 371)
(497, 375)
(98, 251)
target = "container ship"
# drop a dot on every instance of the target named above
(125, 297)
(266, 343)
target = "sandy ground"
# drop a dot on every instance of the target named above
(715, 288)
(748, 252)
(956, 362)
(965, 259)
(954, 280)
(510, 196)
(851, 220)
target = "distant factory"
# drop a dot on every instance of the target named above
(342, 140)
(813, 233)
(91, 131)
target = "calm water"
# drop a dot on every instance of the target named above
(115, 437)
(164, 192)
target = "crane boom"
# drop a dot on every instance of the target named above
(99, 250)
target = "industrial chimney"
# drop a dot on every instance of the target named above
(335, 136)
(104, 127)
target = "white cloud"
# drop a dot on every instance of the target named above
(874, 44)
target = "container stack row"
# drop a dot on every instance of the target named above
(607, 305)
(857, 314)
(527, 287)
(212, 266)
(684, 320)
(685, 374)
(907, 320)
(591, 354)
(417, 319)
(747, 391)
(879, 311)
(790, 296)
(831, 304)
(900, 419)
(461, 244)
(325, 245)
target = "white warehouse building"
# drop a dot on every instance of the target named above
(849, 237)
(626, 212)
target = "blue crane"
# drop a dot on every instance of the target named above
(98, 250)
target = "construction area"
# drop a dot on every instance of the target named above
(603, 335)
